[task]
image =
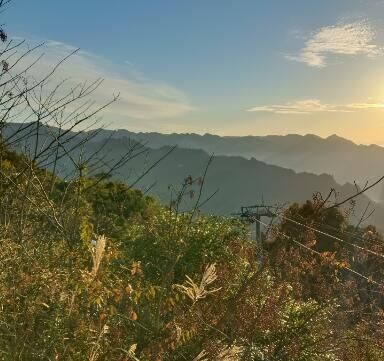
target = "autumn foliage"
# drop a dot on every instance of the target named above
(100, 272)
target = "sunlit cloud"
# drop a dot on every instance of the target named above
(342, 39)
(309, 106)
(140, 99)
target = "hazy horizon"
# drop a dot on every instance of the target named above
(222, 68)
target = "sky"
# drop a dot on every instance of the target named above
(227, 67)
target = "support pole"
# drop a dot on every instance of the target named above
(258, 230)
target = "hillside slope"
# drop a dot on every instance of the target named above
(238, 181)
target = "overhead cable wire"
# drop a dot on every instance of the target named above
(356, 273)
(355, 234)
(330, 235)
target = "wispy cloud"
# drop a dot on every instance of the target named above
(140, 99)
(341, 39)
(309, 106)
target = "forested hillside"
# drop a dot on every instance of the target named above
(95, 271)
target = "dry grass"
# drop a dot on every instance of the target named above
(197, 292)
(97, 254)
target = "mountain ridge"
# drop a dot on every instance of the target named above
(335, 155)
(240, 180)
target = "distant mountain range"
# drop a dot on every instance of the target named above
(339, 157)
(238, 180)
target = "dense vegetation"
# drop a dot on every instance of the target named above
(165, 285)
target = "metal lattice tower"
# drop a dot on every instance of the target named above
(254, 214)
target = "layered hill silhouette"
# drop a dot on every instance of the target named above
(339, 157)
(235, 181)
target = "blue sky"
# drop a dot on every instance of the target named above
(223, 66)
